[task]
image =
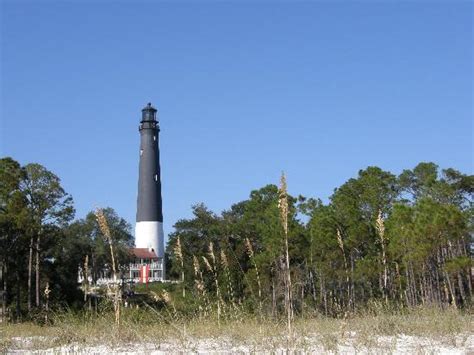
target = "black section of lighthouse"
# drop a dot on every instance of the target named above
(149, 224)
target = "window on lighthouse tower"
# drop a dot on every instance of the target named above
(156, 177)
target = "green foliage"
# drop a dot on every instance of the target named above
(339, 260)
(380, 239)
(48, 203)
(35, 226)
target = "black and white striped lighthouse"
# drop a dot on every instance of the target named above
(149, 226)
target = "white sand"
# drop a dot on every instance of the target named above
(401, 344)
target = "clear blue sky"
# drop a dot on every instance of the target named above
(244, 91)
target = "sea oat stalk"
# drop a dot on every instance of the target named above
(283, 207)
(199, 282)
(104, 227)
(166, 297)
(47, 291)
(380, 227)
(230, 288)
(251, 254)
(178, 252)
(85, 281)
(340, 242)
(213, 269)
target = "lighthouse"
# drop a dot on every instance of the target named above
(149, 224)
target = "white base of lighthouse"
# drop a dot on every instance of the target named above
(149, 234)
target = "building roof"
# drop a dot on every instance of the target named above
(143, 253)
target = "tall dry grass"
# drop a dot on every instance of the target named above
(283, 207)
(380, 227)
(363, 331)
(115, 292)
(212, 268)
(178, 252)
(340, 242)
(251, 254)
(230, 288)
(200, 289)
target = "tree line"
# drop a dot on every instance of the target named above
(402, 241)
(42, 246)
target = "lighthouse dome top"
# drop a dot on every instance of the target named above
(149, 107)
(149, 113)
